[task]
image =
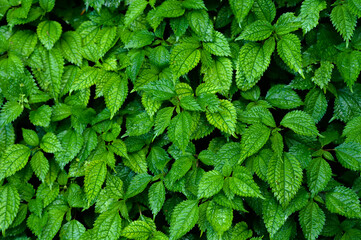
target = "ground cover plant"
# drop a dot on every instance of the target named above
(180, 119)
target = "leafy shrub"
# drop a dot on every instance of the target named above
(180, 119)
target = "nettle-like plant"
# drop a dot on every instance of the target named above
(180, 119)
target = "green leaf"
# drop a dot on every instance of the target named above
(71, 143)
(287, 23)
(30, 137)
(108, 226)
(40, 165)
(347, 104)
(284, 175)
(119, 148)
(87, 77)
(9, 205)
(242, 183)
(352, 130)
(134, 10)
(274, 215)
(254, 59)
(160, 90)
(225, 118)
(283, 97)
(343, 201)
(138, 184)
(264, 10)
(53, 223)
(316, 104)
(323, 74)
(95, 173)
(10, 111)
(115, 92)
(210, 184)
(344, 21)
(50, 143)
(170, 9)
(300, 122)
(184, 218)
(289, 49)
(219, 73)
(219, 46)
(49, 32)
(241, 8)
(318, 175)
(162, 120)
(137, 230)
(23, 42)
(14, 159)
(184, 57)
(201, 24)
(310, 13)
(139, 39)
(179, 130)
(355, 7)
(349, 155)
(257, 31)
(349, 65)
(156, 197)
(179, 168)
(219, 217)
(72, 230)
(312, 219)
(47, 5)
(136, 161)
(47, 67)
(41, 116)
(46, 194)
(70, 45)
(253, 139)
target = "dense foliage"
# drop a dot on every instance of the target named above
(180, 119)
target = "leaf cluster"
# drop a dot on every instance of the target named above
(180, 119)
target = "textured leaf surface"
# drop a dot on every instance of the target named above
(184, 217)
(49, 32)
(156, 196)
(318, 175)
(343, 201)
(254, 59)
(344, 21)
(219, 46)
(219, 217)
(137, 229)
(108, 226)
(225, 118)
(184, 57)
(210, 184)
(253, 139)
(94, 178)
(241, 8)
(115, 92)
(9, 205)
(316, 104)
(70, 44)
(285, 177)
(312, 220)
(179, 130)
(289, 49)
(243, 184)
(283, 97)
(257, 31)
(349, 155)
(15, 158)
(310, 13)
(300, 122)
